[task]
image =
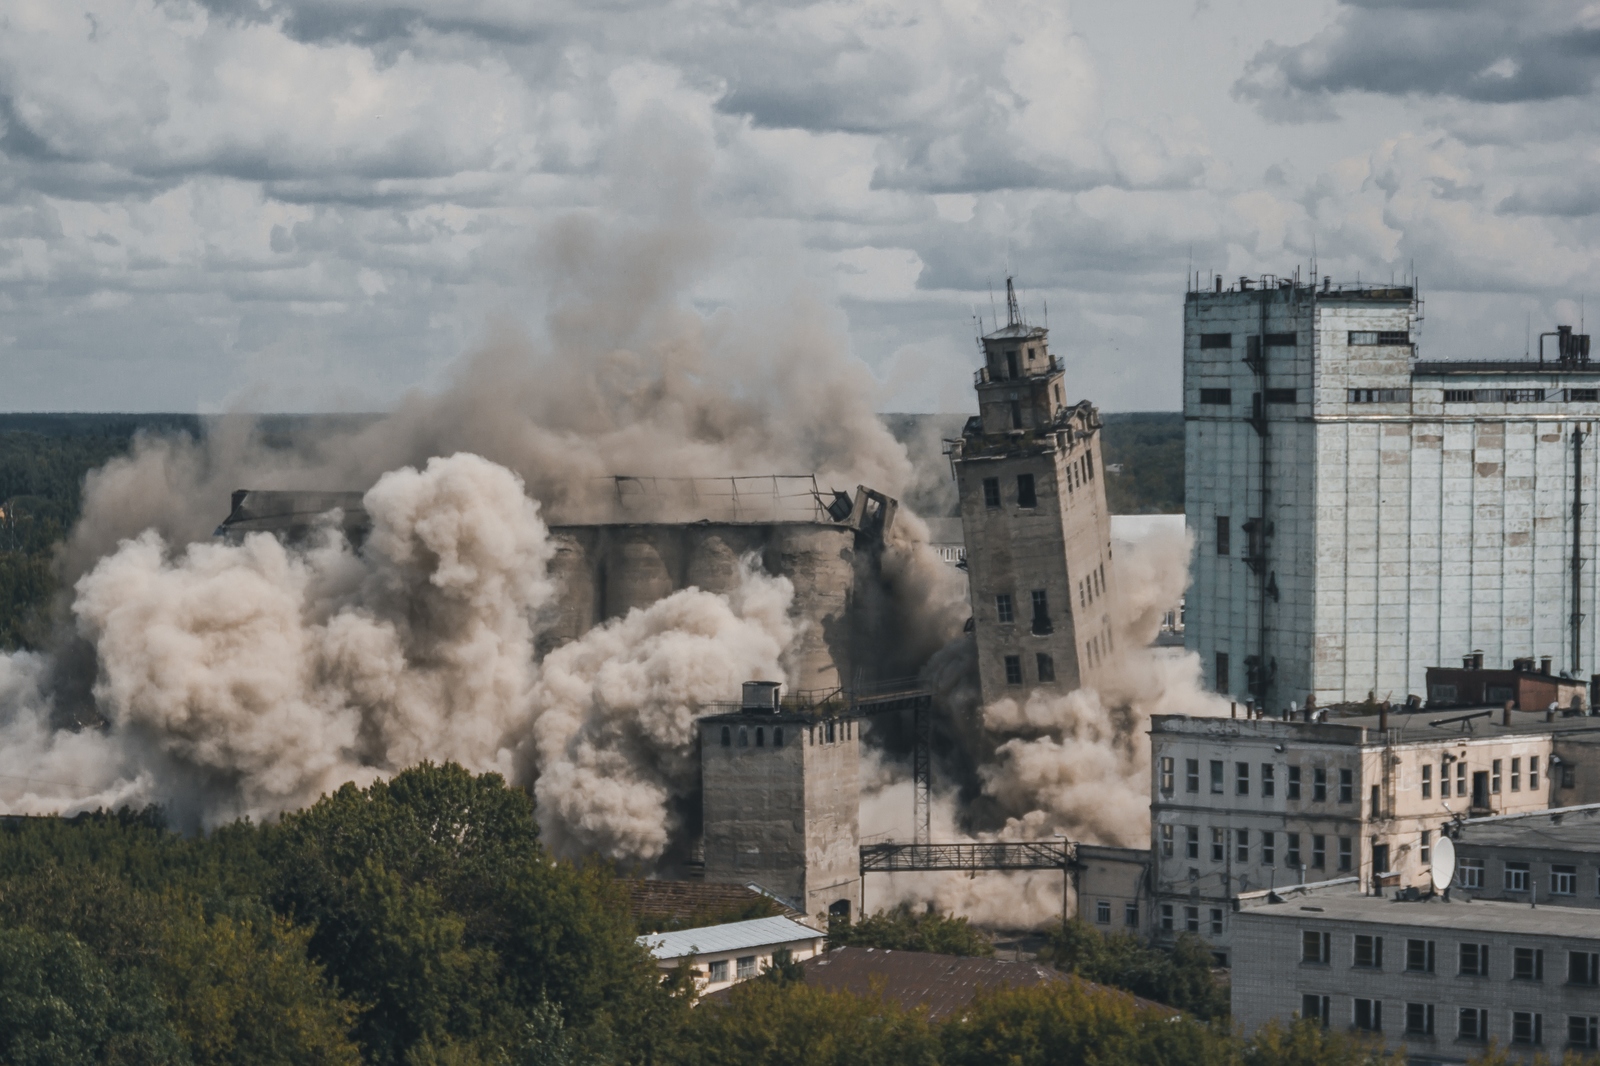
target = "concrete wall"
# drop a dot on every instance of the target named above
(1113, 888)
(786, 818)
(1408, 531)
(607, 570)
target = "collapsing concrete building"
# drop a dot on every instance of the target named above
(1033, 510)
(826, 544)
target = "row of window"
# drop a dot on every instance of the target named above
(1191, 920)
(1472, 1023)
(745, 967)
(1217, 770)
(1092, 587)
(826, 733)
(1006, 613)
(1358, 337)
(1130, 913)
(1265, 846)
(1224, 397)
(1472, 959)
(1026, 494)
(1044, 665)
(1560, 880)
(1496, 776)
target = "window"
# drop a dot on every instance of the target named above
(1527, 1027)
(1269, 782)
(718, 971)
(1319, 851)
(1583, 1031)
(1368, 952)
(1461, 778)
(1583, 395)
(1216, 340)
(746, 967)
(1130, 915)
(1516, 877)
(1241, 846)
(1474, 960)
(1473, 1024)
(1427, 782)
(777, 737)
(991, 492)
(1013, 669)
(1280, 396)
(1191, 919)
(1293, 849)
(1369, 1015)
(1346, 785)
(1527, 964)
(1041, 612)
(1047, 668)
(1563, 880)
(1191, 768)
(1025, 495)
(1191, 837)
(1224, 535)
(1102, 912)
(1376, 804)
(1216, 845)
(1469, 873)
(1444, 780)
(1583, 968)
(1521, 395)
(1315, 1008)
(1166, 918)
(1168, 777)
(1294, 782)
(1344, 853)
(1217, 397)
(1016, 413)
(1419, 1019)
(1460, 396)
(744, 737)
(727, 737)
(1378, 395)
(1425, 846)
(1216, 777)
(1494, 776)
(1382, 336)
(1241, 779)
(1419, 956)
(1516, 775)
(1269, 850)
(1533, 772)
(1216, 921)
(1002, 609)
(1166, 841)
(1319, 785)
(1223, 681)
(1316, 947)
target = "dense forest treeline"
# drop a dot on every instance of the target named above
(419, 922)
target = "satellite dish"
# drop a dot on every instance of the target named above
(1444, 863)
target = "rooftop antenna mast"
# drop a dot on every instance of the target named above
(1013, 315)
(993, 314)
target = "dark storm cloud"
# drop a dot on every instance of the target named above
(1487, 52)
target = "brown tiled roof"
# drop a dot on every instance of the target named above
(942, 983)
(683, 901)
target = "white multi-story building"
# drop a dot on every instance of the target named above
(1362, 514)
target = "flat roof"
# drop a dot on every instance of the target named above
(1498, 367)
(1564, 829)
(1346, 905)
(1408, 727)
(734, 936)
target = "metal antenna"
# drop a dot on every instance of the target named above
(993, 313)
(1013, 315)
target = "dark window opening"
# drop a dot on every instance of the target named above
(727, 737)
(761, 736)
(1041, 613)
(1011, 363)
(1013, 669)
(1378, 396)
(1025, 496)
(1460, 396)
(1047, 668)
(1583, 395)
(1216, 340)
(1016, 414)
(1281, 340)
(1223, 681)
(777, 737)
(1281, 395)
(1002, 608)
(1222, 397)
(991, 492)
(1224, 535)
(1381, 336)
(1419, 1019)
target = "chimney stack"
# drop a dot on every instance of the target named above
(1233, 708)
(1505, 715)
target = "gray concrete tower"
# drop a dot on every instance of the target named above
(781, 796)
(1033, 512)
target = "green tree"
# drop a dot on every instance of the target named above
(903, 929)
(1181, 977)
(59, 1006)
(1305, 1042)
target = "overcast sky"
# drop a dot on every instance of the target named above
(317, 204)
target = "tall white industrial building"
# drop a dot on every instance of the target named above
(1361, 514)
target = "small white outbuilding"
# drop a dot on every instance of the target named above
(723, 955)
